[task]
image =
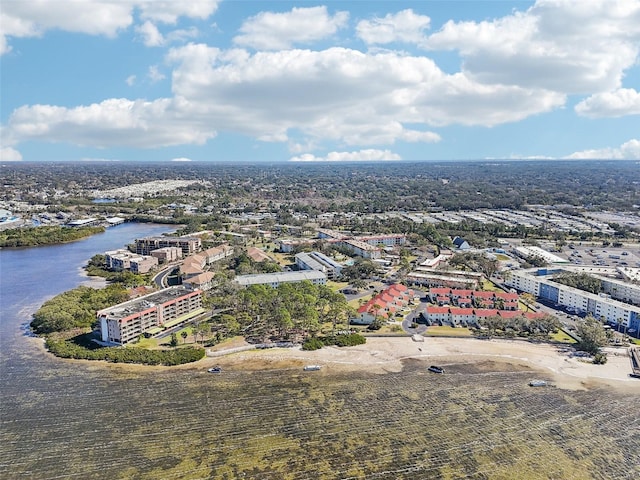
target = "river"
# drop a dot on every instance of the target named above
(64, 419)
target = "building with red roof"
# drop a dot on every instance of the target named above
(388, 301)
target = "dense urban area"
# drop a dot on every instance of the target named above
(284, 254)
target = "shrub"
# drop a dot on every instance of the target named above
(70, 349)
(313, 343)
(600, 358)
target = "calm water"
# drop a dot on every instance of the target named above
(63, 419)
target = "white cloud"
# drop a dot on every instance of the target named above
(114, 122)
(181, 159)
(154, 74)
(273, 31)
(21, 19)
(620, 102)
(131, 80)
(559, 45)
(405, 26)
(627, 151)
(150, 34)
(357, 156)
(8, 154)
(168, 11)
(321, 95)
(92, 17)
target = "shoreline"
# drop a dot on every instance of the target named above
(381, 355)
(387, 354)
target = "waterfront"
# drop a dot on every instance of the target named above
(66, 419)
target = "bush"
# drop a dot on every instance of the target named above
(313, 343)
(349, 340)
(70, 349)
(600, 358)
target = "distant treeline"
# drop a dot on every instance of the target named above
(48, 235)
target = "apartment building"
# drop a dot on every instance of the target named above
(149, 314)
(275, 279)
(167, 254)
(119, 260)
(320, 262)
(188, 245)
(539, 282)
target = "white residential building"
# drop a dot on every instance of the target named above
(275, 279)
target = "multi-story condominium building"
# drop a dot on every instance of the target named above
(167, 254)
(361, 249)
(390, 240)
(149, 314)
(119, 260)
(320, 262)
(539, 282)
(189, 245)
(275, 279)
(142, 264)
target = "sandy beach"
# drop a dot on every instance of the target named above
(558, 364)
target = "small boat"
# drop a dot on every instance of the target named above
(537, 383)
(214, 370)
(311, 368)
(436, 369)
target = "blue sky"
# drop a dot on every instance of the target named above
(233, 80)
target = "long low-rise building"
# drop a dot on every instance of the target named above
(320, 262)
(149, 314)
(275, 279)
(539, 282)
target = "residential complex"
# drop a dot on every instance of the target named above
(189, 245)
(119, 260)
(149, 314)
(384, 304)
(320, 262)
(539, 282)
(275, 279)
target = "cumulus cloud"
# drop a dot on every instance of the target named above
(181, 159)
(273, 31)
(564, 46)
(154, 74)
(620, 102)
(21, 19)
(114, 122)
(168, 11)
(323, 95)
(8, 154)
(92, 17)
(150, 34)
(367, 155)
(627, 151)
(405, 26)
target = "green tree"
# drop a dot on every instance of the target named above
(592, 335)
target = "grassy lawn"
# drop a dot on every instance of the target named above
(355, 303)
(635, 341)
(336, 286)
(561, 336)
(436, 331)
(502, 257)
(283, 259)
(392, 328)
